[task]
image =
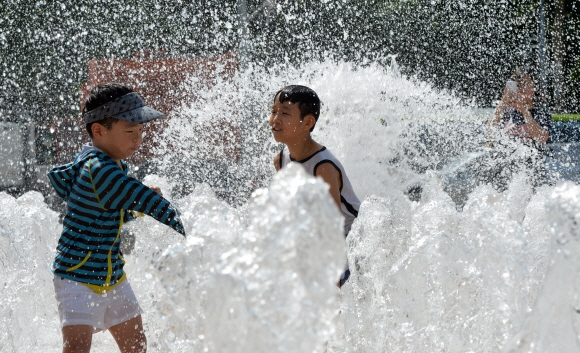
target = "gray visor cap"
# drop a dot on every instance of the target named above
(129, 107)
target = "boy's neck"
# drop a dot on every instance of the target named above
(104, 149)
(303, 149)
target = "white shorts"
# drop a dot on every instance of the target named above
(80, 305)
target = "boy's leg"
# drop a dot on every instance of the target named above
(130, 336)
(77, 338)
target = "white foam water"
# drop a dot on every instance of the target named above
(244, 280)
(498, 274)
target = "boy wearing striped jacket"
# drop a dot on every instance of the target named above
(91, 288)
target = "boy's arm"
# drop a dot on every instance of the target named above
(132, 215)
(331, 175)
(277, 161)
(115, 190)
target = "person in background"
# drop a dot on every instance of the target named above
(516, 113)
(521, 116)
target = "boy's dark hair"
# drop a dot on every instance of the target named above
(307, 99)
(100, 95)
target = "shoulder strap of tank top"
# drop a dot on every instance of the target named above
(346, 204)
(282, 157)
(335, 167)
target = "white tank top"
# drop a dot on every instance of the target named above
(349, 203)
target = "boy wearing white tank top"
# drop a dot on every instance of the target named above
(294, 114)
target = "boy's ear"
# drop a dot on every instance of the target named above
(308, 122)
(97, 130)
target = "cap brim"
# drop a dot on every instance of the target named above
(140, 115)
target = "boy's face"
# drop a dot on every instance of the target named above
(285, 121)
(121, 141)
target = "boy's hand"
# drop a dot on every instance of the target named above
(156, 189)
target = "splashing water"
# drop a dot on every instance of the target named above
(228, 287)
(428, 276)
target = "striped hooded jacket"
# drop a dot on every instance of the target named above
(98, 194)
